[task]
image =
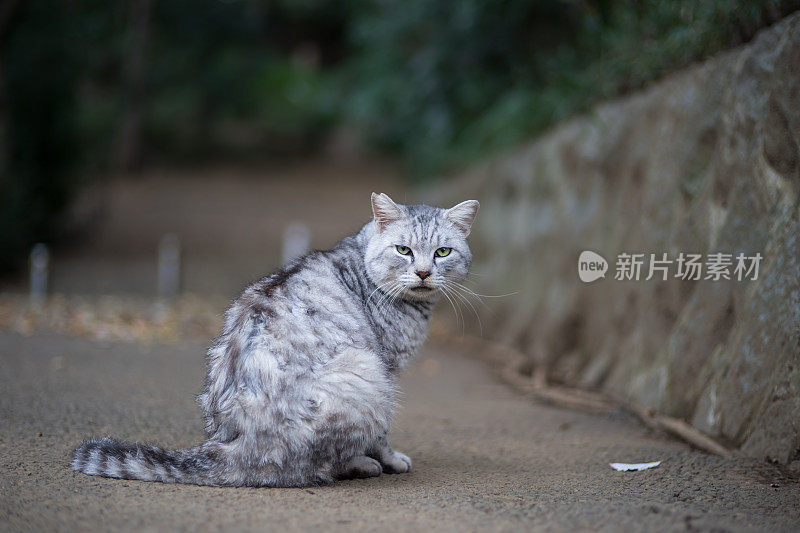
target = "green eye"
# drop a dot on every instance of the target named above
(442, 252)
(405, 250)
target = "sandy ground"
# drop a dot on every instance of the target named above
(485, 457)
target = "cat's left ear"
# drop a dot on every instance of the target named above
(385, 210)
(463, 215)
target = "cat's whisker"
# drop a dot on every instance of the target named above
(482, 295)
(387, 289)
(383, 287)
(466, 294)
(393, 293)
(464, 299)
(456, 290)
(466, 290)
(455, 310)
(378, 288)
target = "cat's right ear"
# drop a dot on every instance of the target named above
(385, 211)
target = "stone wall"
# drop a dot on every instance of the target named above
(704, 161)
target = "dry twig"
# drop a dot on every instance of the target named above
(509, 362)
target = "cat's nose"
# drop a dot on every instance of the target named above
(423, 274)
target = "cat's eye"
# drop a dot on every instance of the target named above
(442, 252)
(404, 250)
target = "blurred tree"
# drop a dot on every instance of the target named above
(443, 82)
(129, 137)
(95, 86)
(41, 143)
(8, 18)
(234, 78)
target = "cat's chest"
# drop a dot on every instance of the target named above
(399, 336)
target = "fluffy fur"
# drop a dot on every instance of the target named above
(301, 381)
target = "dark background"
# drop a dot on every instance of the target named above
(95, 90)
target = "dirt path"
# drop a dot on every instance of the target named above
(230, 221)
(485, 458)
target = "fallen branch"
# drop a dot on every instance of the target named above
(509, 362)
(690, 434)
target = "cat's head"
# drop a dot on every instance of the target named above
(415, 251)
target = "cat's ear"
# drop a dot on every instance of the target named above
(463, 214)
(385, 211)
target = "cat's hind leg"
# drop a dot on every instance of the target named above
(391, 461)
(353, 398)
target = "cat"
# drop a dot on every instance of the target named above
(301, 381)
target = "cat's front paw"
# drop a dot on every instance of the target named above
(360, 466)
(396, 463)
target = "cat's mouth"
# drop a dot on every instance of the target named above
(422, 288)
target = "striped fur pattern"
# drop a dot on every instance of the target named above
(301, 381)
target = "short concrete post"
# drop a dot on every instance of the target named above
(296, 241)
(40, 266)
(169, 266)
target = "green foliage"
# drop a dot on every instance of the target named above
(213, 84)
(444, 82)
(437, 82)
(207, 63)
(212, 74)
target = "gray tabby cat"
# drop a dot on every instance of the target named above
(301, 381)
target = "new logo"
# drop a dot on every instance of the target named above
(591, 266)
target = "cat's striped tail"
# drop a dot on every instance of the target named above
(128, 460)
